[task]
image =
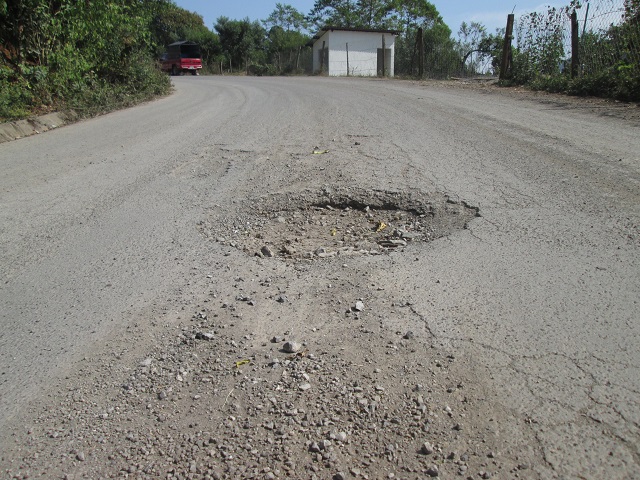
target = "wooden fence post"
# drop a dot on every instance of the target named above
(506, 47)
(383, 55)
(347, 59)
(575, 45)
(420, 52)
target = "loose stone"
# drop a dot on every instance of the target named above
(291, 347)
(432, 471)
(427, 448)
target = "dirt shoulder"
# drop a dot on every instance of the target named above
(599, 106)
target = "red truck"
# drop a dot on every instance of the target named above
(182, 57)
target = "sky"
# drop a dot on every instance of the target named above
(491, 13)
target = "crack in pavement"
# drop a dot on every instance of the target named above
(517, 363)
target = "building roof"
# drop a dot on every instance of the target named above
(330, 28)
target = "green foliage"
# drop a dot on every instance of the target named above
(404, 15)
(283, 48)
(171, 23)
(65, 53)
(15, 95)
(480, 49)
(609, 58)
(442, 56)
(242, 42)
(287, 18)
(471, 39)
(409, 15)
(551, 83)
(338, 13)
(285, 41)
(541, 40)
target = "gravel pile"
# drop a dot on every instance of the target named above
(215, 401)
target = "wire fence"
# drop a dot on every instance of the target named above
(443, 58)
(543, 40)
(607, 36)
(590, 47)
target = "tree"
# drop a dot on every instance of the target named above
(285, 38)
(171, 23)
(352, 13)
(375, 13)
(412, 14)
(337, 13)
(441, 55)
(242, 41)
(471, 35)
(286, 17)
(284, 48)
(491, 47)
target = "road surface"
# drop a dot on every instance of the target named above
(99, 222)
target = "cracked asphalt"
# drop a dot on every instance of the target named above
(539, 295)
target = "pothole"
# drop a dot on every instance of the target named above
(335, 221)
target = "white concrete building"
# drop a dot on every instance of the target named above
(354, 52)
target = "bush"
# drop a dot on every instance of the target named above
(15, 100)
(609, 64)
(142, 81)
(550, 83)
(90, 56)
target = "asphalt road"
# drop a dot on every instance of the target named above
(97, 222)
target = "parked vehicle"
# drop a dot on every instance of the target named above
(182, 57)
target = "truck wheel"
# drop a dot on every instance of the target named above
(174, 70)
(194, 72)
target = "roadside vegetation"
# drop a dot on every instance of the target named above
(608, 50)
(99, 55)
(88, 56)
